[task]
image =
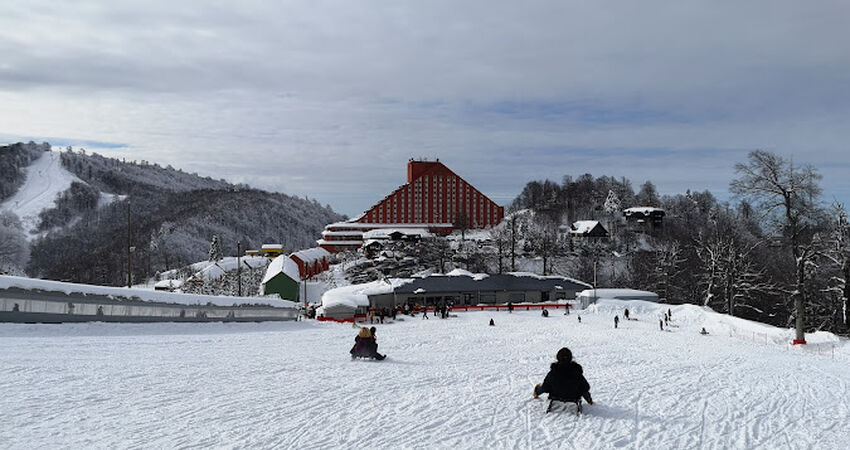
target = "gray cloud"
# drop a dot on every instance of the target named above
(330, 99)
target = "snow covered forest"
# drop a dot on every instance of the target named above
(172, 216)
(773, 253)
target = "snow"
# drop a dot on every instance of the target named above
(645, 210)
(583, 226)
(147, 295)
(454, 383)
(400, 226)
(547, 277)
(356, 295)
(282, 264)
(466, 273)
(312, 255)
(168, 284)
(209, 270)
(384, 233)
(272, 247)
(46, 178)
(608, 293)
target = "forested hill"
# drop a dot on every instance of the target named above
(173, 217)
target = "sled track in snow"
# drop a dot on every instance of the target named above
(454, 383)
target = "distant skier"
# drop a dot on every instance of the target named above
(544, 313)
(661, 324)
(510, 307)
(703, 332)
(669, 313)
(565, 380)
(626, 314)
(579, 319)
(492, 324)
(616, 321)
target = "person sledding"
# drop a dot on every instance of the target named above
(565, 382)
(366, 345)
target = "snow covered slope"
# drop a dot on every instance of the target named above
(454, 383)
(45, 179)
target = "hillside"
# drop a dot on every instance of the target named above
(454, 383)
(173, 215)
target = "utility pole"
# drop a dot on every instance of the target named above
(239, 268)
(129, 250)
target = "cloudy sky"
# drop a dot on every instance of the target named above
(330, 99)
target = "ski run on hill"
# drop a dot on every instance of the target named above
(454, 383)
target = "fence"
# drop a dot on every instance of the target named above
(822, 349)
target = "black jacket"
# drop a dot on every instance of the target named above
(566, 382)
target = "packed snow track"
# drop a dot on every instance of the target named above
(454, 383)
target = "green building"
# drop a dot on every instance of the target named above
(282, 278)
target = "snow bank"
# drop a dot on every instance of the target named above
(618, 294)
(357, 295)
(694, 318)
(147, 295)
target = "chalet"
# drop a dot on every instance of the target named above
(644, 217)
(168, 285)
(587, 229)
(311, 261)
(282, 278)
(271, 250)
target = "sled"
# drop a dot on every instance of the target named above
(553, 400)
(374, 357)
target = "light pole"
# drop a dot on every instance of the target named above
(129, 250)
(239, 268)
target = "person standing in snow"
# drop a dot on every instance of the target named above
(626, 313)
(544, 313)
(510, 307)
(616, 321)
(661, 324)
(565, 380)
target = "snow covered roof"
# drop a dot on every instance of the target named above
(369, 226)
(384, 233)
(342, 233)
(583, 226)
(619, 294)
(326, 242)
(282, 264)
(272, 247)
(311, 255)
(168, 284)
(461, 280)
(645, 210)
(148, 295)
(213, 270)
(358, 294)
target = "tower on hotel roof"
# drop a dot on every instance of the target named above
(434, 198)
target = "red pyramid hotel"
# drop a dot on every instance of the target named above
(432, 199)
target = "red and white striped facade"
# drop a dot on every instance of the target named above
(433, 198)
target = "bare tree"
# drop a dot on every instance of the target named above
(501, 238)
(14, 248)
(461, 223)
(545, 241)
(837, 251)
(791, 192)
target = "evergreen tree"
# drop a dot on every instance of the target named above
(215, 249)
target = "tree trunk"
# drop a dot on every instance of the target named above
(800, 300)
